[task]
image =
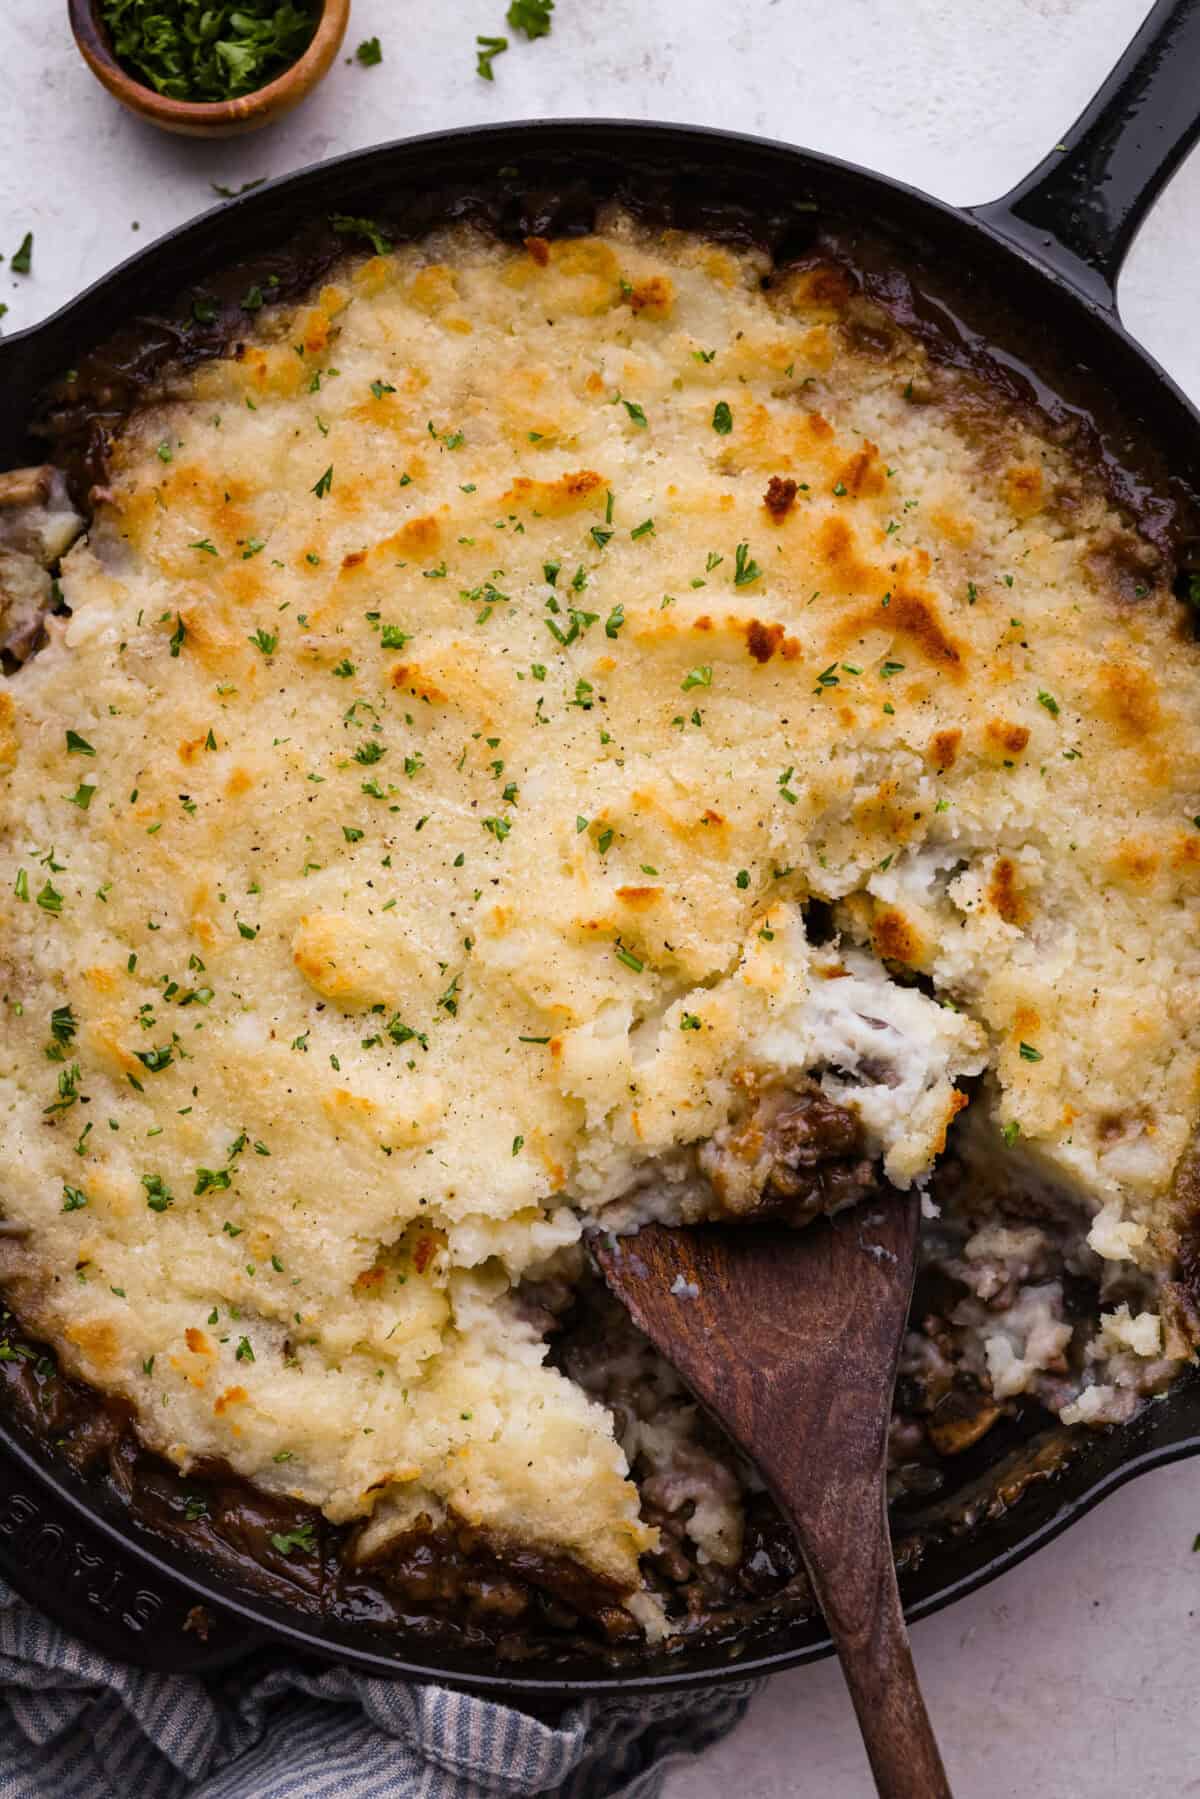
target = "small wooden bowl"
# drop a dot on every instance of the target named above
(217, 118)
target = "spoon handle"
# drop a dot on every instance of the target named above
(854, 1577)
(792, 1339)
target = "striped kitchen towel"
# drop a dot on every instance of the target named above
(75, 1725)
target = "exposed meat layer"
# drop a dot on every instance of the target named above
(797, 1155)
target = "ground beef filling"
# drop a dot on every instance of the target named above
(796, 1155)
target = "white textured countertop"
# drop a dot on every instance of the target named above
(1076, 1674)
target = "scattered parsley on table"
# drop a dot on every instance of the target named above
(530, 17)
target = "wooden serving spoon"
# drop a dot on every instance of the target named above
(791, 1338)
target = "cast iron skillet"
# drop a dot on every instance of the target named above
(1046, 256)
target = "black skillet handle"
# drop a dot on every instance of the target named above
(66, 1564)
(1080, 209)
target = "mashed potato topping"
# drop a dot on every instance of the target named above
(404, 843)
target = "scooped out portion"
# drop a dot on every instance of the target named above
(569, 733)
(38, 524)
(848, 1081)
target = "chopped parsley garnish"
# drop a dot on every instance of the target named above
(158, 1194)
(22, 259)
(77, 745)
(370, 53)
(205, 544)
(689, 1022)
(489, 48)
(243, 1352)
(891, 668)
(375, 235)
(614, 621)
(629, 959)
(82, 796)
(1049, 702)
(531, 17)
(399, 1032)
(231, 193)
(379, 388)
(697, 677)
(74, 1198)
(212, 1180)
(722, 419)
(743, 878)
(322, 487)
(499, 827)
(63, 1024)
(369, 752)
(449, 1000)
(579, 623)
(1029, 1054)
(176, 640)
(645, 529)
(68, 1091)
(635, 412)
(264, 641)
(303, 1537)
(155, 1060)
(393, 638)
(1010, 1132)
(50, 899)
(744, 570)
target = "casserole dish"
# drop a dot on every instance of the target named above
(549, 178)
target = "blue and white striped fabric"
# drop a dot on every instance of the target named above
(74, 1725)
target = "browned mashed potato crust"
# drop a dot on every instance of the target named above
(469, 686)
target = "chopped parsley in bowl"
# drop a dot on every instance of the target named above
(193, 50)
(209, 68)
